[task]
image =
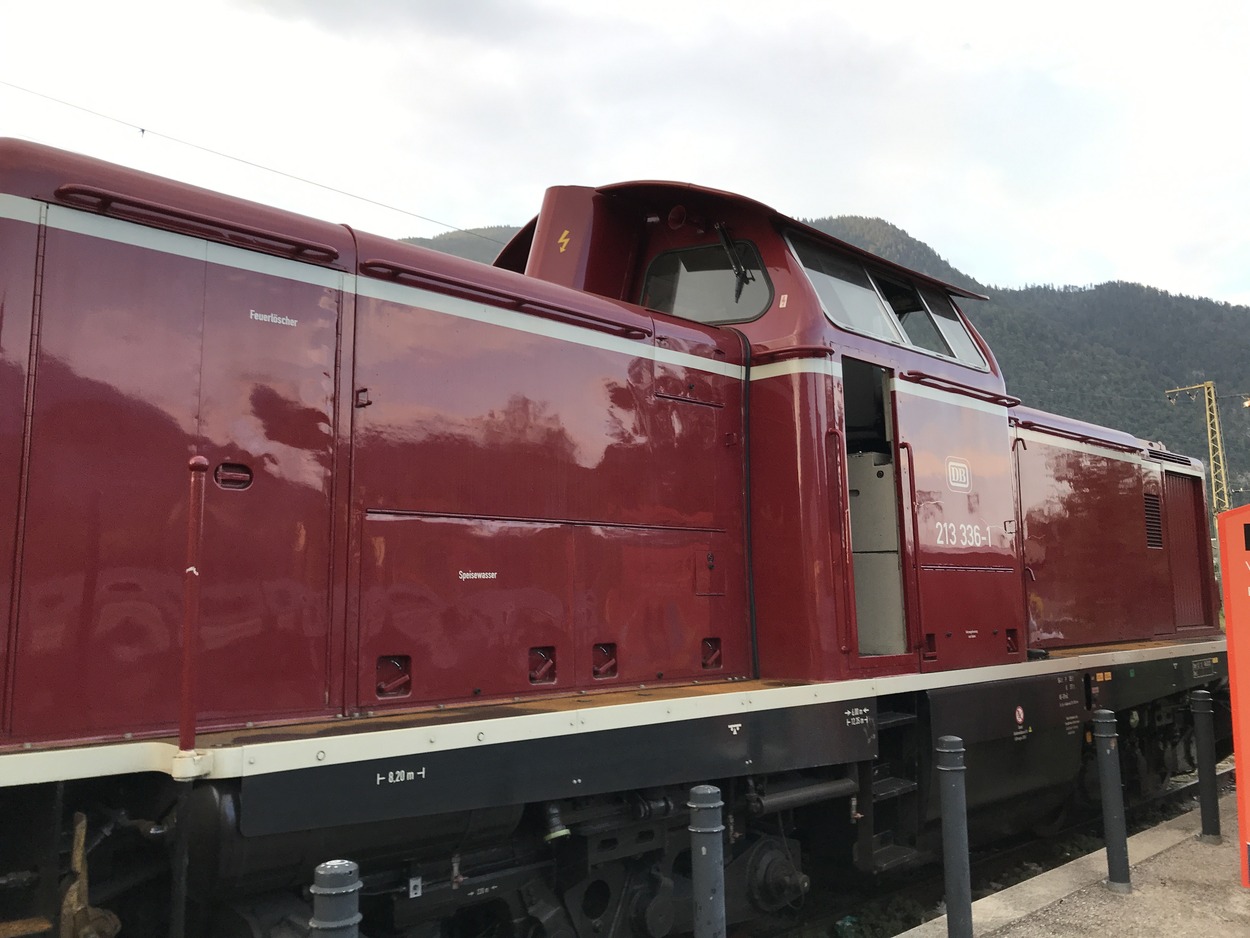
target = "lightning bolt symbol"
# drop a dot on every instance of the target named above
(563, 240)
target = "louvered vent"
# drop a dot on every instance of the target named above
(1154, 521)
(1164, 456)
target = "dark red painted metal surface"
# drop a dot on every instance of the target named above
(198, 469)
(18, 254)
(568, 499)
(153, 346)
(19, 250)
(105, 526)
(1110, 545)
(431, 481)
(967, 568)
(799, 530)
(1188, 547)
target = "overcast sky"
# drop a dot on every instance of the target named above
(1058, 142)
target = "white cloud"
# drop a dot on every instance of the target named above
(1073, 142)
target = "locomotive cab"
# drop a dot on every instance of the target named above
(856, 366)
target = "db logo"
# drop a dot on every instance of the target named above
(958, 475)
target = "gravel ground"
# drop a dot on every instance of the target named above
(893, 905)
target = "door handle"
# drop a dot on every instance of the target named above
(233, 475)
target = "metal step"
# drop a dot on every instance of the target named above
(889, 719)
(892, 856)
(885, 788)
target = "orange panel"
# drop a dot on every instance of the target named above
(1234, 529)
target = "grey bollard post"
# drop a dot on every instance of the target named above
(1115, 833)
(955, 863)
(1201, 706)
(707, 861)
(336, 900)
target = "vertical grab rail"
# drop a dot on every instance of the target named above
(839, 484)
(905, 447)
(198, 467)
(191, 602)
(913, 578)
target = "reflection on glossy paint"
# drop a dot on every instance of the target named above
(131, 380)
(1090, 575)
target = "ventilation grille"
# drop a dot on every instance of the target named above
(1154, 521)
(1164, 456)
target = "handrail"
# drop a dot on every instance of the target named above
(393, 271)
(1075, 436)
(841, 484)
(187, 708)
(912, 584)
(792, 351)
(107, 200)
(954, 387)
(588, 320)
(396, 271)
(905, 447)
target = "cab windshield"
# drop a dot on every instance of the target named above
(701, 284)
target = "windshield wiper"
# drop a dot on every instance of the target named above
(741, 274)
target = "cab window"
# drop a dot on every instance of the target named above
(700, 284)
(845, 291)
(884, 306)
(912, 314)
(952, 327)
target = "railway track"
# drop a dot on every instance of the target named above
(883, 906)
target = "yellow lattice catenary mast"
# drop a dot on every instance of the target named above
(1215, 442)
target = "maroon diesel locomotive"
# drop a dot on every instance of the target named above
(321, 545)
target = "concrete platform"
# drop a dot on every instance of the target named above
(1181, 889)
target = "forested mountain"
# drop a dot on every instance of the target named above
(895, 244)
(1103, 353)
(477, 244)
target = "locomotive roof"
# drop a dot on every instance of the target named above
(51, 175)
(1029, 418)
(662, 192)
(54, 175)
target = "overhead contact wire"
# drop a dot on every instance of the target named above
(144, 131)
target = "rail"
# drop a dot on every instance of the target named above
(106, 201)
(954, 387)
(395, 271)
(1074, 435)
(198, 467)
(792, 351)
